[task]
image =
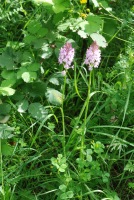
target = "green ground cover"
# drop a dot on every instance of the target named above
(66, 100)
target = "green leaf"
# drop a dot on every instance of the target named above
(8, 74)
(6, 91)
(100, 40)
(6, 149)
(8, 83)
(29, 76)
(105, 5)
(64, 26)
(70, 194)
(54, 162)
(46, 2)
(28, 39)
(20, 72)
(131, 185)
(82, 34)
(42, 32)
(110, 28)
(38, 43)
(4, 119)
(95, 2)
(129, 167)
(98, 147)
(5, 131)
(35, 89)
(47, 51)
(37, 111)
(22, 105)
(54, 96)
(6, 61)
(63, 187)
(63, 196)
(33, 67)
(27, 57)
(94, 24)
(60, 5)
(34, 26)
(88, 156)
(26, 77)
(4, 108)
(54, 80)
(62, 167)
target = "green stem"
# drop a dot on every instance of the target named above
(72, 135)
(64, 132)
(85, 118)
(63, 119)
(1, 169)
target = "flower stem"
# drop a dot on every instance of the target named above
(85, 118)
(63, 119)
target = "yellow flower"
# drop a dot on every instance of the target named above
(83, 1)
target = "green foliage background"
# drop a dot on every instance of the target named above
(64, 137)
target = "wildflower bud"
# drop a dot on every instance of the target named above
(83, 15)
(66, 55)
(93, 56)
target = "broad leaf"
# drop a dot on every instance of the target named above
(29, 39)
(60, 5)
(100, 40)
(34, 26)
(54, 96)
(20, 72)
(6, 61)
(6, 91)
(33, 67)
(22, 105)
(4, 119)
(94, 24)
(42, 32)
(4, 108)
(54, 80)
(46, 51)
(37, 111)
(82, 34)
(35, 89)
(6, 131)
(29, 76)
(95, 2)
(110, 28)
(8, 74)
(6, 149)
(8, 83)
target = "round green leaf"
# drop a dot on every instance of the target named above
(6, 91)
(54, 96)
(22, 105)
(29, 76)
(4, 108)
(37, 111)
(63, 187)
(34, 67)
(8, 83)
(94, 24)
(99, 39)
